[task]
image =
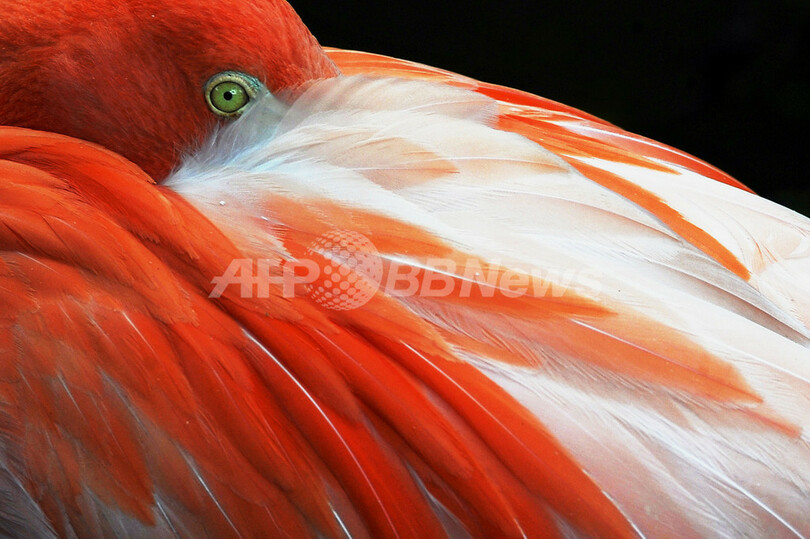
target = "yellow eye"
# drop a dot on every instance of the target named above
(228, 93)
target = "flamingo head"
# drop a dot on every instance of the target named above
(148, 79)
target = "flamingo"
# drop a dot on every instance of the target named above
(253, 287)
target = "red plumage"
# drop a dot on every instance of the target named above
(134, 403)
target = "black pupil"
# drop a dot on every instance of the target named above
(228, 95)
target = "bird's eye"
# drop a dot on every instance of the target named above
(228, 93)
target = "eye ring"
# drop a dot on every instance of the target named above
(228, 94)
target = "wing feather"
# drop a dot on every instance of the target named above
(650, 377)
(670, 347)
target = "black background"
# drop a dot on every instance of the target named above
(726, 81)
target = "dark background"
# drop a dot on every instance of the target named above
(726, 81)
